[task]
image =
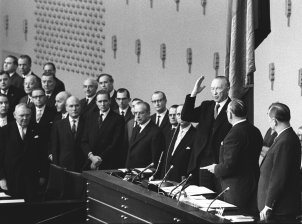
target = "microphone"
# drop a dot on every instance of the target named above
(184, 180)
(228, 188)
(158, 164)
(184, 186)
(171, 167)
(138, 175)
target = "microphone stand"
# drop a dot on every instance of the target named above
(159, 162)
(228, 188)
(183, 187)
(184, 180)
(171, 167)
(151, 164)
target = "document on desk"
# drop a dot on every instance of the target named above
(190, 190)
(204, 204)
(136, 170)
(239, 218)
(3, 195)
(12, 201)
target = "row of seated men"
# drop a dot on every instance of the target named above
(100, 132)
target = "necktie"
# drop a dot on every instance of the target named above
(73, 128)
(158, 119)
(86, 102)
(38, 115)
(123, 113)
(178, 140)
(100, 120)
(137, 131)
(23, 133)
(216, 110)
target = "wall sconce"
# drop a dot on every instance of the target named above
(272, 74)
(288, 10)
(151, 4)
(216, 63)
(189, 58)
(177, 5)
(203, 4)
(300, 79)
(127, 2)
(114, 46)
(163, 51)
(6, 24)
(25, 28)
(138, 49)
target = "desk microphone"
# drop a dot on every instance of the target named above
(164, 179)
(183, 181)
(138, 175)
(184, 186)
(158, 164)
(228, 188)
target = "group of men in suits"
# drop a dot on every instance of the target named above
(42, 123)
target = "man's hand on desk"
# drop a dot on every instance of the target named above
(3, 185)
(95, 161)
(210, 168)
(265, 213)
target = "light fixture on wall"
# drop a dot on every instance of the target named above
(6, 24)
(288, 10)
(163, 51)
(177, 5)
(272, 74)
(300, 79)
(127, 2)
(25, 28)
(138, 49)
(114, 45)
(151, 4)
(189, 58)
(216, 63)
(203, 4)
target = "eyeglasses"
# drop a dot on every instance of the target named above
(157, 101)
(121, 99)
(39, 96)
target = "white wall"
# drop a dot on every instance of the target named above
(284, 48)
(179, 30)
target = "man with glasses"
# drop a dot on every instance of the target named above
(123, 99)
(212, 128)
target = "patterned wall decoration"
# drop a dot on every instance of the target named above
(70, 34)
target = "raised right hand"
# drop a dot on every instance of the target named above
(197, 87)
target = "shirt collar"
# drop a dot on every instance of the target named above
(104, 113)
(185, 129)
(144, 125)
(237, 122)
(161, 114)
(41, 109)
(111, 93)
(222, 103)
(73, 119)
(125, 110)
(282, 131)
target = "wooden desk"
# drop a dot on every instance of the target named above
(113, 200)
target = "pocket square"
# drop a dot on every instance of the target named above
(221, 143)
(36, 136)
(188, 148)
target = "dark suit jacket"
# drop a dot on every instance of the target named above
(14, 95)
(66, 149)
(43, 128)
(22, 162)
(113, 104)
(146, 147)
(278, 186)
(209, 133)
(51, 101)
(165, 126)
(238, 165)
(128, 116)
(17, 81)
(87, 107)
(104, 141)
(24, 99)
(181, 156)
(59, 86)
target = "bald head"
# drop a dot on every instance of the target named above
(90, 87)
(73, 107)
(30, 82)
(61, 98)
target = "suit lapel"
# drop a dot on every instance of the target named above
(165, 120)
(222, 117)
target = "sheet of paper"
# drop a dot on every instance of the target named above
(205, 204)
(3, 195)
(12, 201)
(239, 218)
(191, 190)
